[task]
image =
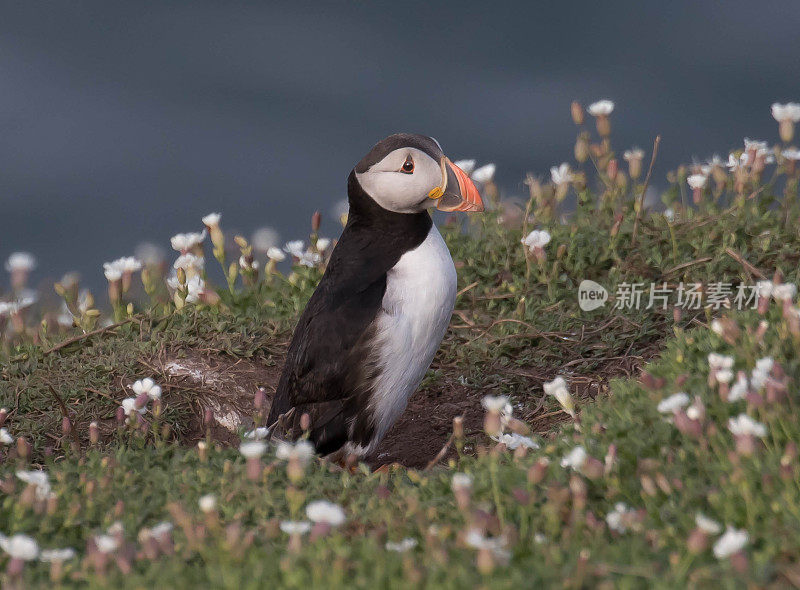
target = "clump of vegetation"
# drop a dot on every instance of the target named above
(685, 473)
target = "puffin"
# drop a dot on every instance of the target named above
(381, 309)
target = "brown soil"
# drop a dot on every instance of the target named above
(223, 390)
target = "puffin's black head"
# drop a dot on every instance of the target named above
(409, 173)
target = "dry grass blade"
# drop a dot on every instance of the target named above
(640, 204)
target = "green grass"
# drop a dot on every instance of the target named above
(515, 319)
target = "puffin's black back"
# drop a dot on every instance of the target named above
(329, 365)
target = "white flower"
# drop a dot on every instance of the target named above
(784, 291)
(147, 386)
(514, 440)
(295, 527)
(212, 219)
(129, 406)
(791, 154)
(275, 254)
(259, 433)
(111, 272)
(786, 112)
(27, 298)
(129, 264)
(142, 385)
(731, 542)
(724, 376)
(244, 264)
(194, 289)
(760, 374)
(405, 545)
(301, 451)
(461, 481)
(561, 174)
(765, 364)
(739, 389)
(310, 259)
(755, 145)
(323, 243)
(296, 248)
(697, 181)
(467, 166)
(161, 529)
(601, 108)
(496, 403)
(633, 154)
(5, 437)
(558, 389)
(207, 503)
(20, 547)
(187, 241)
(673, 403)
(116, 528)
(477, 540)
(264, 238)
(619, 519)
(39, 480)
(744, 425)
(538, 238)
(696, 411)
(21, 261)
(189, 263)
(669, 214)
(719, 361)
(324, 511)
(106, 543)
(65, 317)
(57, 555)
(483, 174)
(765, 288)
(252, 449)
(575, 459)
(734, 163)
(116, 268)
(712, 527)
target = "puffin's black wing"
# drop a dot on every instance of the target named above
(329, 364)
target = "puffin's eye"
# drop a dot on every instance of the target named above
(408, 166)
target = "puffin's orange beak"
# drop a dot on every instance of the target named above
(459, 193)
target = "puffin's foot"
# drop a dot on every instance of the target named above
(387, 467)
(343, 461)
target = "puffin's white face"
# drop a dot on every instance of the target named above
(402, 180)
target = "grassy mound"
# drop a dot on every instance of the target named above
(683, 472)
(626, 514)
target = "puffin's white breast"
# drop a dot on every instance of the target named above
(419, 300)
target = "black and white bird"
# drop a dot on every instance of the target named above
(379, 313)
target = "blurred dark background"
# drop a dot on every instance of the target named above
(126, 122)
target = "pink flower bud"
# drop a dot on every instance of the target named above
(66, 426)
(141, 401)
(316, 221)
(697, 541)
